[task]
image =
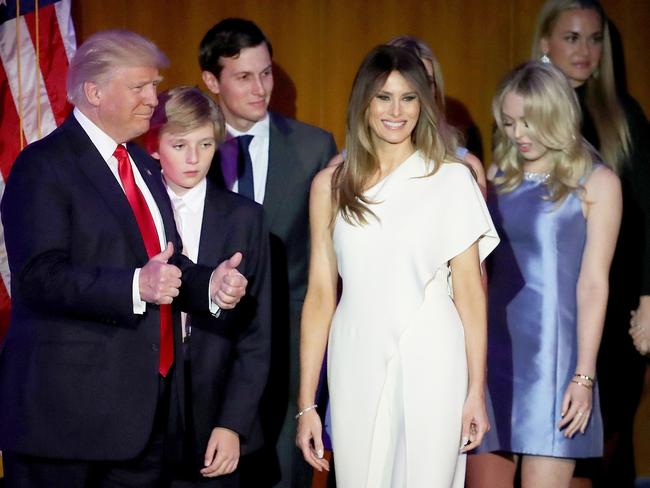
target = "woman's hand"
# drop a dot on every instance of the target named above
(640, 326)
(576, 408)
(309, 440)
(475, 422)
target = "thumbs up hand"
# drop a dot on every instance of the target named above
(159, 282)
(227, 284)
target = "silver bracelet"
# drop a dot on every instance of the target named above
(305, 410)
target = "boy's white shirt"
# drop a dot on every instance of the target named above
(188, 214)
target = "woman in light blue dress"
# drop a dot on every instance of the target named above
(558, 212)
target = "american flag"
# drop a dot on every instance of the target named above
(36, 42)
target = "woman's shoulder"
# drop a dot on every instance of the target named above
(322, 182)
(601, 179)
(456, 171)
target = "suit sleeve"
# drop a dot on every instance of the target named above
(252, 350)
(37, 215)
(329, 151)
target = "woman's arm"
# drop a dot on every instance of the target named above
(317, 312)
(603, 206)
(469, 298)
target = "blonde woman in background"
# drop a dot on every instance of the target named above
(574, 35)
(558, 211)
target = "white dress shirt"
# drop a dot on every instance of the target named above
(188, 214)
(106, 147)
(259, 152)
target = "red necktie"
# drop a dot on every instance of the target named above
(152, 245)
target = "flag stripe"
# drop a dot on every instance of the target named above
(53, 60)
(9, 127)
(29, 85)
(5, 285)
(66, 28)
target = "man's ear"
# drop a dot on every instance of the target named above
(210, 81)
(155, 155)
(93, 93)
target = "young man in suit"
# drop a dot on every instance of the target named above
(226, 362)
(271, 159)
(95, 263)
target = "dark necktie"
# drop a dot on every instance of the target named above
(245, 167)
(152, 245)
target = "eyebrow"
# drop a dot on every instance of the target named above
(248, 71)
(386, 92)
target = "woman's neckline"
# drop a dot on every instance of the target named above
(536, 176)
(381, 182)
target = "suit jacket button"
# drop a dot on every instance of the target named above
(154, 347)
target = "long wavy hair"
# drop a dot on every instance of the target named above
(552, 114)
(431, 134)
(601, 98)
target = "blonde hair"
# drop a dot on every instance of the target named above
(601, 100)
(552, 115)
(182, 110)
(103, 52)
(431, 134)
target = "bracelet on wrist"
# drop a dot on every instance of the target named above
(305, 410)
(588, 386)
(584, 377)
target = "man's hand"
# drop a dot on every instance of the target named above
(228, 285)
(159, 281)
(222, 453)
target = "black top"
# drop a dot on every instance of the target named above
(630, 272)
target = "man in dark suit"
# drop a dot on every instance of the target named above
(226, 362)
(276, 160)
(86, 367)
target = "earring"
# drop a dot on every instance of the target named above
(545, 59)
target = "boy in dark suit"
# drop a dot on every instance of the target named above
(226, 363)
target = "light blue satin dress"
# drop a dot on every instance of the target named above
(532, 324)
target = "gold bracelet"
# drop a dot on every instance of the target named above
(584, 377)
(586, 385)
(305, 410)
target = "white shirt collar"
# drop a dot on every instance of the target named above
(259, 129)
(102, 141)
(193, 198)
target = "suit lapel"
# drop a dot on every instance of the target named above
(151, 175)
(211, 225)
(279, 168)
(92, 164)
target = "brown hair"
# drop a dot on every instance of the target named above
(431, 135)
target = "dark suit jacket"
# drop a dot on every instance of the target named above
(230, 358)
(79, 370)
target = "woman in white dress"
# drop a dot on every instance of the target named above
(397, 221)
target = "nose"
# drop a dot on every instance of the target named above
(395, 107)
(149, 95)
(583, 47)
(518, 130)
(258, 88)
(192, 155)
